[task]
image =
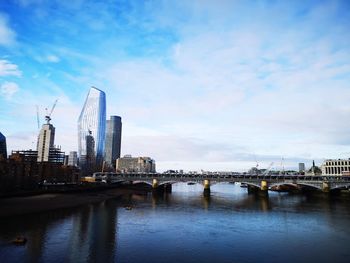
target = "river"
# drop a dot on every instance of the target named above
(185, 226)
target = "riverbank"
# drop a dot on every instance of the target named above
(21, 205)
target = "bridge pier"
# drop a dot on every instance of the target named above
(206, 185)
(154, 183)
(264, 188)
(262, 191)
(156, 189)
(326, 187)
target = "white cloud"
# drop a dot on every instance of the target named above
(235, 80)
(8, 89)
(7, 35)
(234, 88)
(9, 69)
(52, 58)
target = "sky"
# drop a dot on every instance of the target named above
(212, 85)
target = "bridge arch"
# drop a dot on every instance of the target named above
(313, 186)
(167, 182)
(142, 182)
(339, 187)
(252, 184)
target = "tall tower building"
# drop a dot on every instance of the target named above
(92, 118)
(3, 147)
(46, 141)
(73, 158)
(113, 140)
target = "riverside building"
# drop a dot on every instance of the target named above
(113, 140)
(336, 167)
(73, 158)
(92, 121)
(135, 164)
(46, 142)
(301, 167)
(3, 147)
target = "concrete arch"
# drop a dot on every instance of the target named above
(279, 186)
(116, 181)
(318, 187)
(216, 182)
(339, 187)
(167, 182)
(252, 184)
(142, 182)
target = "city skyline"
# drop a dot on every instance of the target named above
(213, 85)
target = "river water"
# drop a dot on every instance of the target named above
(185, 226)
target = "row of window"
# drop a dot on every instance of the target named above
(333, 163)
(337, 170)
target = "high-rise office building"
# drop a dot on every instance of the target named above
(46, 141)
(3, 147)
(73, 158)
(113, 139)
(92, 119)
(301, 167)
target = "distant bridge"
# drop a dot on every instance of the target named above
(253, 181)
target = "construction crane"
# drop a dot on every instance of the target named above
(268, 169)
(48, 115)
(282, 166)
(37, 117)
(257, 164)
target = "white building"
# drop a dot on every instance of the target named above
(73, 158)
(46, 141)
(336, 167)
(136, 164)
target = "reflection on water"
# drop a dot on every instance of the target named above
(185, 226)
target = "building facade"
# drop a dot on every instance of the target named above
(113, 140)
(301, 167)
(92, 119)
(3, 147)
(336, 167)
(46, 141)
(129, 164)
(73, 158)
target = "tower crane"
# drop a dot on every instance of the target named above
(268, 169)
(37, 117)
(48, 115)
(282, 165)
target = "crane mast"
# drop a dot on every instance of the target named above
(37, 117)
(48, 115)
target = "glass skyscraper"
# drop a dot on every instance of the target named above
(92, 120)
(113, 140)
(3, 148)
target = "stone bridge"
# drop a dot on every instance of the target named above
(261, 183)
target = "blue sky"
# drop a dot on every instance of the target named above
(211, 85)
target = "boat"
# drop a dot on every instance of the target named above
(19, 241)
(129, 207)
(191, 183)
(243, 185)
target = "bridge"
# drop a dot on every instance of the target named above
(254, 182)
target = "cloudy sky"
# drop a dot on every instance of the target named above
(213, 85)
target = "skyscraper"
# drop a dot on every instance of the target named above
(73, 158)
(113, 140)
(46, 141)
(3, 148)
(92, 118)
